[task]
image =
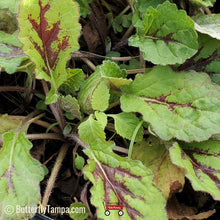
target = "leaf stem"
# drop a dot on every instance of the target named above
(54, 174)
(133, 138)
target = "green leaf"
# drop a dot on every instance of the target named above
(11, 54)
(8, 22)
(207, 58)
(20, 176)
(125, 125)
(49, 30)
(183, 105)
(74, 80)
(91, 130)
(98, 82)
(100, 98)
(121, 180)
(201, 162)
(79, 161)
(153, 154)
(143, 5)
(70, 104)
(166, 35)
(208, 24)
(84, 7)
(102, 118)
(78, 211)
(12, 5)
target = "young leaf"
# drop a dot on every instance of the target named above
(102, 118)
(20, 176)
(201, 162)
(74, 80)
(182, 105)
(166, 35)
(79, 161)
(11, 54)
(125, 125)
(91, 130)
(84, 7)
(153, 154)
(105, 74)
(70, 104)
(208, 24)
(49, 30)
(143, 5)
(121, 180)
(100, 98)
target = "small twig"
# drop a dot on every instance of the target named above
(89, 63)
(135, 71)
(16, 89)
(54, 174)
(49, 136)
(207, 10)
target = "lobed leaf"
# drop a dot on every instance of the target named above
(20, 176)
(168, 177)
(11, 54)
(165, 35)
(118, 180)
(91, 130)
(201, 162)
(183, 105)
(49, 30)
(125, 125)
(208, 24)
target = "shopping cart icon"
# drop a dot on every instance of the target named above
(113, 206)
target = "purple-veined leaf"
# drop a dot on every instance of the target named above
(49, 31)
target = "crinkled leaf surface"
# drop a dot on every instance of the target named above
(201, 162)
(143, 5)
(20, 176)
(153, 154)
(75, 79)
(70, 104)
(125, 125)
(94, 93)
(91, 130)
(166, 35)
(208, 24)
(11, 54)
(49, 30)
(183, 105)
(121, 180)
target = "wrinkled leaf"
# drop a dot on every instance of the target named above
(166, 35)
(153, 154)
(91, 130)
(208, 24)
(100, 98)
(49, 30)
(84, 7)
(11, 54)
(184, 105)
(74, 80)
(121, 180)
(20, 176)
(70, 104)
(143, 5)
(90, 97)
(201, 162)
(125, 125)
